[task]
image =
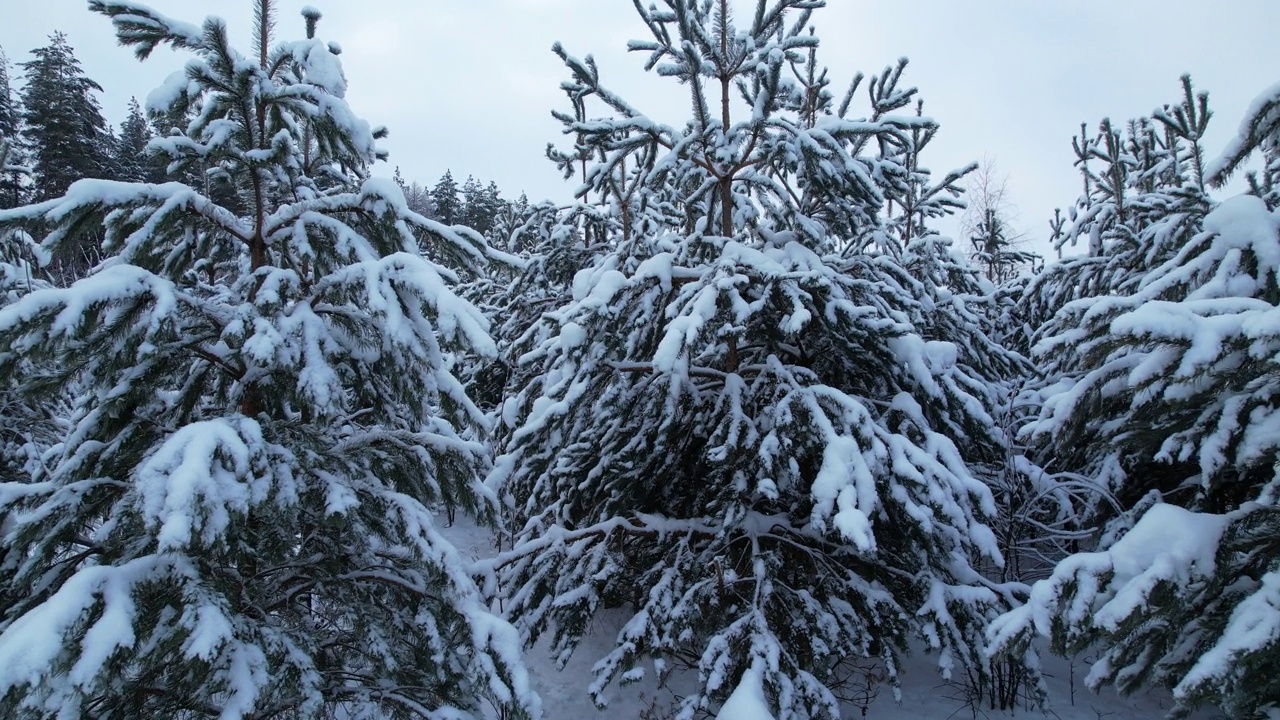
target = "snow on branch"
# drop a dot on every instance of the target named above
(140, 26)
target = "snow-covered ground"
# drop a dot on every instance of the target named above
(925, 695)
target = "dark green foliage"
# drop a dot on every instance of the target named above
(236, 520)
(444, 199)
(1160, 384)
(1144, 205)
(12, 188)
(62, 120)
(738, 417)
(130, 161)
(65, 137)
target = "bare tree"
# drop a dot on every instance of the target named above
(989, 222)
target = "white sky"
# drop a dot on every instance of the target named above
(468, 85)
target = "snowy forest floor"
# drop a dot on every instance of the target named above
(925, 695)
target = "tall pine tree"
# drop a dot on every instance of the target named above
(234, 523)
(66, 137)
(734, 427)
(472, 213)
(444, 198)
(9, 115)
(129, 159)
(491, 208)
(1167, 388)
(1181, 391)
(1146, 202)
(11, 178)
(62, 120)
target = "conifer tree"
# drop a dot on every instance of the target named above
(62, 120)
(9, 115)
(552, 244)
(11, 176)
(234, 523)
(988, 224)
(65, 136)
(472, 213)
(491, 208)
(444, 198)
(9, 161)
(994, 248)
(27, 426)
(1145, 206)
(508, 220)
(1168, 392)
(733, 426)
(1179, 395)
(522, 207)
(1137, 210)
(129, 161)
(481, 205)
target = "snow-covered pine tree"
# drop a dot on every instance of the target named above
(1184, 377)
(444, 198)
(1176, 390)
(62, 120)
(734, 426)
(236, 522)
(1137, 210)
(509, 218)
(129, 159)
(957, 304)
(11, 170)
(472, 203)
(988, 222)
(11, 177)
(481, 205)
(28, 425)
(65, 136)
(518, 211)
(553, 243)
(492, 205)
(994, 245)
(1144, 207)
(10, 117)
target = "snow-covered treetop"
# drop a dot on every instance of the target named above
(300, 86)
(765, 139)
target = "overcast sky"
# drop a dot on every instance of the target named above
(468, 85)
